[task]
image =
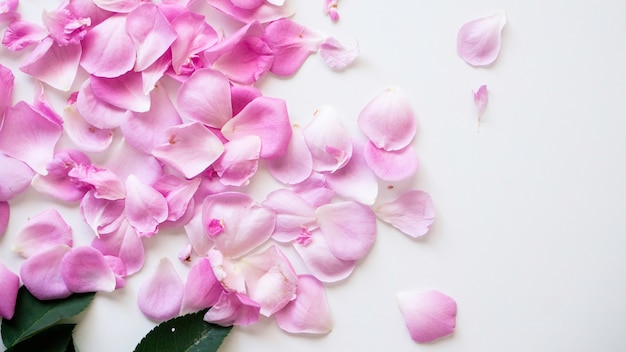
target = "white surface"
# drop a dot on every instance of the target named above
(530, 235)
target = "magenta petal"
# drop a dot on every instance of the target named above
(15, 177)
(478, 41)
(233, 309)
(108, 51)
(41, 274)
(349, 228)
(53, 64)
(205, 97)
(388, 120)
(291, 44)
(125, 91)
(337, 56)
(412, 213)
(57, 183)
(42, 231)
(194, 36)
(309, 312)
(202, 289)
(355, 180)
(428, 315)
(264, 117)
(7, 82)
(5, 214)
(96, 111)
(242, 96)
(321, 262)
(84, 269)
(29, 136)
(150, 32)
(394, 165)
(20, 34)
(9, 284)
(161, 295)
(328, 140)
(146, 208)
(190, 149)
(247, 61)
(297, 163)
(121, 6)
(105, 183)
(239, 162)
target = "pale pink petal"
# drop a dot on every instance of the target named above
(153, 73)
(85, 135)
(194, 36)
(178, 194)
(42, 231)
(150, 32)
(122, 6)
(87, 9)
(478, 41)
(9, 284)
(291, 43)
(102, 215)
(42, 105)
(7, 80)
(84, 269)
(5, 214)
(266, 12)
(297, 163)
(428, 315)
(190, 148)
(293, 214)
(96, 111)
(146, 208)
(41, 274)
(355, 180)
(119, 270)
(196, 233)
(135, 162)
(146, 130)
(394, 165)
(264, 117)
(202, 289)
(105, 183)
(412, 213)
(124, 244)
(242, 96)
(125, 91)
(108, 51)
(349, 228)
(8, 11)
(320, 261)
(233, 309)
(239, 162)
(328, 140)
(64, 27)
(205, 97)
(248, 60)
(160, 297)
(388, 120)
(29, 136)
(20, 34)
(246, 224)
(309, 312)
(337, 56)
(481, 96)
(330, 8)
(15, 177)
(57, 183)
(247, 4)
(314, 190)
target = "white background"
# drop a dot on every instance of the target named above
(530, 234)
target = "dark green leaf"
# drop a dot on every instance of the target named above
(57, 338)
(32, 315)
(189, 333)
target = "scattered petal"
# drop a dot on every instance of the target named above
(161, 295)
(355, 180)
(481, 96)
(202, 289)
(84, 269)
(337, 56)
(321, 262)
(233, 309)
(5, 214)
(394, 165)
(205, 97)
(297, 163)
(239, 162)
(291, 44)
(124, 91)
(146, 208)
(478, 41)
(42, 231)
(108, 51)
(428, 315)
(309, 312)
(150, 32)
(412, 213)
(15, 177)
(328, 140)
(123, 243)
(41, 273)
(9, 285)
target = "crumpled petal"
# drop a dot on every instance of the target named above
(297, 163)
(57, 183)
(108, 51)
(9, 285)
(161, 295)
(266, 118)
(124, 91)
(102, 215)
(233, 309)
(29, 136)
(5, 214)
(191, 148)
(309, 312)
(202, 289)
(349, 228)
(320, 261)
(194, 36)
(388, 120)
(394, 165)
(42, 231)
(239, 162)
(64, 26)
(41, 274)
(84, 269)
(328, 140)
(336, 55)
(151, 33)
(355, 180)
(293, 214)
(123, 243)
(412, 213)
(205, 97)
(178, 194)
(478, 41)
(428, 315)
(15, 177)
(291, 43)
(146, 208)
(21, 34)
(105, 183)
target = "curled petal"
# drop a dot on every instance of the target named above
(178, 194)
(124, 91)
(202, 289)
(102, 215)
(161, 295)
(205, 97)
(42, 231)
(355, 180)
(394, 165)
(65, 27)
(314, 190)
(412, 213)
(146, 208)
(5, 213)
(84, 269)
(124, 244)
(320, 261)
(151, 33)
(478, 41)
(15, 177)
(9, 285)
(108, 51)
(105, 183)
(239, 162)
(194, 36)
(291, 43)
(57, 183)
(297, 163)
(388, 120)
(195, 231)
(309, 312)
(242, 96)
(248, 60)
(85, 135)
(41, 273)
(233, 309)
(481, 96)
(328, 140)
(337, 56)
(96, 111)
(428, 315)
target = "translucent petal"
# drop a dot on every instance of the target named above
(394, 165)
(478, 41)
(428, 315)
(160, 296)
(328, 140)
(412, 213)
(42, 231)
(309, 312)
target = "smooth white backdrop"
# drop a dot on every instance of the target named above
(530, 234)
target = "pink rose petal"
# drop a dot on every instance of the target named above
(84, 269)
(265, 12)
(124, 91)
(202, 289)
(96, 111)
(41, 274)
(194, 36)
(355, 180)
(86, 136)
(21, 34)
(9, 284)
(15, 177)
(205, 97)
(320, 261)
(309, 312)
(146, 208)
(102, 215)
(328, 140)
(233, 309)
(428, 315)
(291, 43)
(42, 231)
(478, 41)
(123, 243)
(292, 214)
(394, 165)
(151, 33)
(297, 163)
(5, 213)
(337, 56)
(161, 295)
(7, 83)
(108, 51)
(412, 213)
(53, 64)
(239, 162)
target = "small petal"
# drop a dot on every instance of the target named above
(57, 183)
(478, 41)
(44, 230)
(337, 56)
(194, 36)
(160, 297)
(247, 61)
(105, 182)
(266, 12)
(233, 309)
(146, 208)
(205, 97)
(481, 96)
(84, 269)
(65, 27)
(309, 312)
(96, 111)
(428, 315)
(20, 34)
(41, 274)
(394, 165)
(328, 140)
(86, 136)
(102, 215)
(178, 194)
(202, 289)
(412, 213)
(9, 285)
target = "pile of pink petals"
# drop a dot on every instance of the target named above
(169, 109)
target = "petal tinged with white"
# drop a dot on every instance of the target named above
(428, 315)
